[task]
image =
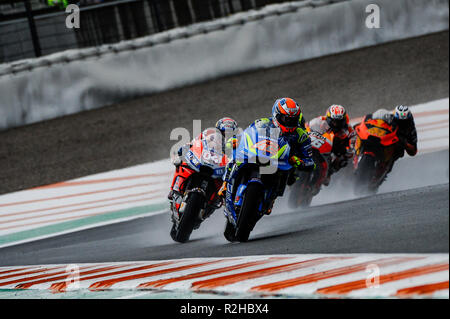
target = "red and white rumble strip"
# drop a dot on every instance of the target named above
(310, 276)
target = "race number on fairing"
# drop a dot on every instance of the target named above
(208, 156)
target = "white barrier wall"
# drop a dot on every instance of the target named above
(76, 80)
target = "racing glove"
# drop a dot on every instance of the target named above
(222, 189)
(232, 143)
(177, 158)
(296, 161)
(183, 149)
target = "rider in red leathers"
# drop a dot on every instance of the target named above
(335, 121)
(225, 126)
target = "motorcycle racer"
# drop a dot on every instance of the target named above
(382, 138)
(226, 126)
(404, 120)
(336, 121)
(288, 117)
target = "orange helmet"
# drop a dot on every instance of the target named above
(287, 115)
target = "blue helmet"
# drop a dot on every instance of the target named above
(225, 124)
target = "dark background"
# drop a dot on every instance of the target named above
(102, 22)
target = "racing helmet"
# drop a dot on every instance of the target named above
(402, 112)
(226, 124)
(287, 115)
(402, 116)
(337, 117)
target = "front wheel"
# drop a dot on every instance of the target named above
(189, 218)
(249, 213)
(229, 232)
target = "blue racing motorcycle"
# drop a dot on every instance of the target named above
(258, 176)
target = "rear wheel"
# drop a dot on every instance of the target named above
(300, 195)
(189, 218)
(307, 200)
(365, 176)
(249, 213)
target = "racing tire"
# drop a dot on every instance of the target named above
(299, 196)
(249, 213)
(189, 218)
(364, 176)
(173, 231)
(229, 232)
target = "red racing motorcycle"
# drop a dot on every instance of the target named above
(195, 185)
(309, 183)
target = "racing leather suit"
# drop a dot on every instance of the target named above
(407, 132)
(210, 134)
(342, 141)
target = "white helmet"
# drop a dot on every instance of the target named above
(402, 112)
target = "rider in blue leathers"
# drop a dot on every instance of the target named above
(288, 117)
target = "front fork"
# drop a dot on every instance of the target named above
(234, 203)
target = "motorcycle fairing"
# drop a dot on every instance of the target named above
(207, 154)
(257, 146)
(379, 129)
(260, 147)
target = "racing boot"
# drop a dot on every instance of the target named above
(222, 190)
(269, 209)
(326, 181)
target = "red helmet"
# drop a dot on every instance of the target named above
(287, 115)
(337, 117)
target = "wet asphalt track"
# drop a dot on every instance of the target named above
(400, 222)
(407, 221)
(416, 221)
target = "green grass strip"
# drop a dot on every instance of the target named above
(77, 223)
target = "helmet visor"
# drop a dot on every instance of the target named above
(404, 123)
(336, 124)
(287, 121)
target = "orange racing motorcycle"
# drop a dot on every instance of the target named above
(376, 147)
(195, 185)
